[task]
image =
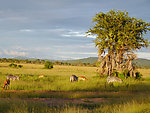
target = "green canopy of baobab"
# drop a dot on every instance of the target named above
(119, 36)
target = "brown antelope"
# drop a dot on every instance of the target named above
(41, 76)
(82, 78)
(6, 84)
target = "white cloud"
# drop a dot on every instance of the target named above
(26, 30)
(71, 33)
(19, 48)
(145, 55)
(88, 45)
(42, 49)
(66, 58)
(60, 31)
(79, 53)
(91, 36)
(14, 53)
(55, 30)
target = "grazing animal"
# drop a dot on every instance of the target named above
(82, 78)
(113, 79)
(41, 76)
(73, 78)
(12, 77)
(6, 84)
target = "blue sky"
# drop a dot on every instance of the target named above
(55, 29)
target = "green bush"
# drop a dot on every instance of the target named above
(20, 66)
(121, 75)
(48, 65)
(13, 65)
(138, 75)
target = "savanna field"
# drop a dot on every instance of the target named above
(54, 93)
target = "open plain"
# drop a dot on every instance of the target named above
(55, 93)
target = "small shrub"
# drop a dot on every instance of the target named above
(138, 75)
(13, 65)
(20, 66)
(48, 65)
(121, 75)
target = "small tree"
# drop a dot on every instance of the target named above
(117, 37)
(13, 65)
(48, 65)
(20, 66)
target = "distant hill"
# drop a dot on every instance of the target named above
(142, 63)
(31, 59)
(90, 60)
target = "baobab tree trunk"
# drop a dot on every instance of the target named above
(115, 62)
(105, 67)
(129, 64)
(101, 64)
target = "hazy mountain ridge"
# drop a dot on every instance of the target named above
(142, 63)
(90, 60)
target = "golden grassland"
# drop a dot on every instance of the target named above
(131, 96)
(37, 69)
(57, 79)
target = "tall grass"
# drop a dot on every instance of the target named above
(62, 83)
(57, 79)
(19, 106)
(137, 104)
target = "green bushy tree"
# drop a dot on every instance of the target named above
(117, 37)
(20, 66)
(48, 65)
(13, 65)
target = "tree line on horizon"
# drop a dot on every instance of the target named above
(40, 61)
(138, 63)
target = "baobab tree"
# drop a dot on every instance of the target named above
(118, 36)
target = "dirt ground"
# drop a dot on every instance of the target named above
(90, 97)
(63, 101)
(58, 100)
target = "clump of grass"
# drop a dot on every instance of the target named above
(134, 107)
(19, 106)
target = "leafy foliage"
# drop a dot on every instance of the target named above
(138, 75)
(13, 65)
(48, 65)
(20, 66)
(115, 30)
